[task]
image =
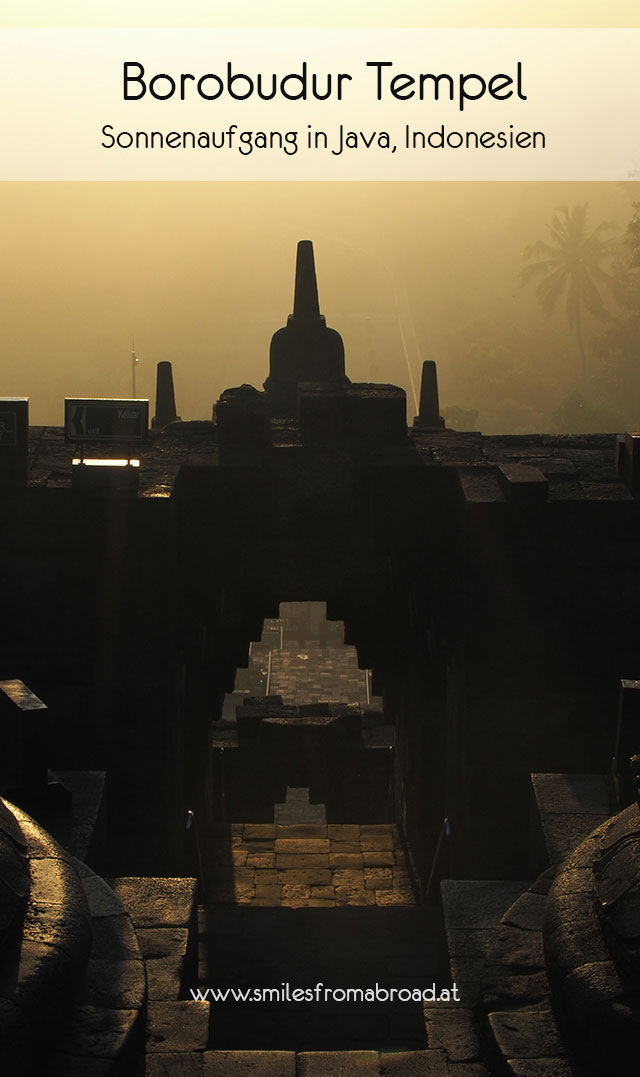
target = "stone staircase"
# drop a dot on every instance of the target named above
(163, 913)
(506, 1024)
(100, 985)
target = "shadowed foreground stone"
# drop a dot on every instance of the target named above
(188, 1064)
(338, 1064)
(177, 1026)
(432, 1063)
(249, 1064)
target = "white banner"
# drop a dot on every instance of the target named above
(424, 104)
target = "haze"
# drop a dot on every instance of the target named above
(202, 275)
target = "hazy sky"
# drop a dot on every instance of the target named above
(202, 275)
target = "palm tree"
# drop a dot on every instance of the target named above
(570, 266)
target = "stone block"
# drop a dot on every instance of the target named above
(616, 875)
(468, 942)
(163, 942)
(268, 876)
(452, 1028)
(157, 902)
(294, 896)
(321, 413)
(505, 987)
(114, 937)
(376, 843)
(563, 832)
(512, 945)
(97, 1032)
(338, 1064)
(478, 903)
(574, 943)
(259, 832)
(375, 413)
(323, 892)
(261, 860)
(378, 878)
(467, 975)
(526, 1034)
(267, 895)
(306, 876)
(527, 912)
(164, 978)
(349, 878)
(346, 860)
(571, 794)
(302, 845)
(115, 984)
(179, 1064)
(395, 897)
(58, 883)
(540, 1067)
(302, 831)
(432, 1063)
(301, 860)
(249, 1064)
(379, 858)
(177, 1026)
(344, 832)
(349, 896)
(523, 484)
(54, 925)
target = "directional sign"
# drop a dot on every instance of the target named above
(106, 420)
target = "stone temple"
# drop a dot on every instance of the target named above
(307, 700)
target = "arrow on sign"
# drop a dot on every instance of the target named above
(77, 420)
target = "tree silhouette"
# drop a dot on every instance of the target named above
(570, 267)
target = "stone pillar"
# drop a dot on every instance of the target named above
(429, 414)
(165, 398)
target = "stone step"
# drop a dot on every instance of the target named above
(164, 915)
(282, 1063)
(565, 809)
(471, 911)
(522, 1036)
(180, 1028)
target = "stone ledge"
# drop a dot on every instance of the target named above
(48, 966)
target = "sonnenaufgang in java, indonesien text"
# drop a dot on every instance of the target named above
(342, 140)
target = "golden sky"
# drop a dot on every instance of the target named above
(329, 13)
